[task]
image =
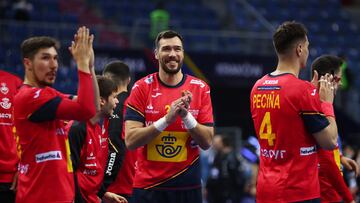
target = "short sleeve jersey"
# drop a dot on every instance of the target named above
(286, 111)
(9, 85)
(45, 170)
(171, 159)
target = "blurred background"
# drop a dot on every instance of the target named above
(228, 43)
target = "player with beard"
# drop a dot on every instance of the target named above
(168, 117)
(45, 169)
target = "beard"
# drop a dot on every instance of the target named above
(170, 71)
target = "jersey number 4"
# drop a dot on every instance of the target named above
(266, 130)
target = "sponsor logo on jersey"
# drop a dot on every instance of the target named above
(197, 82)
(313, 92)
(149, 80)
(268, 88)
(150, 110)
(37, 94)
(23, 168)
(168, 147)
(90, 165)
(48, 156)
(4, 89)
(270, 82)
(111, 163)
(91, 172)
(305, 151)
(156, 95)
(136, 85)
(273, 154)
(5, 104)
(5, 115)
(60, 131)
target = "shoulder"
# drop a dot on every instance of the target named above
(10, 78)
(191, 80)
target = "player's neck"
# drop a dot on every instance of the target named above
(121, 89)
(170, 79)
(287, 67)
(32, 83)
(98, 116)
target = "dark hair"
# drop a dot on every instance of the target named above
(32, 45)
(287, 34)
(167, 34)
(117, 71)
(326, 64)
(106, 86)
(227, 142)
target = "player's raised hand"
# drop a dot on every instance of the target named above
(326, 88)
(81, 49)
(315, 79)
(185, 104)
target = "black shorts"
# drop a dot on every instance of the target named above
(167, 196)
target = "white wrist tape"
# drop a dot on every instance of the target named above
(189, 121)
(161, 124)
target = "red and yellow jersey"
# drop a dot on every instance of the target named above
(89, 150)
(9, 85)
(286, 112)
(170, 160)
(332, 185)
(45, 169)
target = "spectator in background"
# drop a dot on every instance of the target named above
(45, 168)
(159, 20)
(22, 10)
(226, 181)
(9, 158)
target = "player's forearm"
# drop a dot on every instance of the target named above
(96, 89)
(139, 136)
(202, 135)
(86, 95)
(332, 131)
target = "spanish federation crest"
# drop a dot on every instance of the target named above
(3, 88)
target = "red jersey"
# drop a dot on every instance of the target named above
(89, 148)
(286, 112)
(44, 150)
(45, 169)
(9, 85)
(170, 161)
(332, 185)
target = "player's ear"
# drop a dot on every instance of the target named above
(156, 52)
(299, 49)
(102, 101)
(27, 63)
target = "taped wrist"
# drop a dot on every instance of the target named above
(161, 124)
(189, 121)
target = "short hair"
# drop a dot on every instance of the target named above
(326, 64)
(167, 34)
(32, 45)
(287, 34)
(117, 71)
(227, 142)
(106, 86)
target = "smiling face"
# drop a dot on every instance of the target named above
(108, 105)
(170, 54)
(41, 69)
